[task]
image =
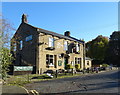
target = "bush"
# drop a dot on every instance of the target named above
(77, 66)
(105, 65)
(69, 66)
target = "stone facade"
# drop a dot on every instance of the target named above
(44, 49)
(88, 62)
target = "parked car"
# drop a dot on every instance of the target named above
(50, 71)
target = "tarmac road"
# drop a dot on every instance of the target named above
(104, 82)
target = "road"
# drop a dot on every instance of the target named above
(104, 82)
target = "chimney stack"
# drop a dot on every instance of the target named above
(24, 18)
(67, 33)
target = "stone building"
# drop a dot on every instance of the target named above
(43, 49)
(88, 63)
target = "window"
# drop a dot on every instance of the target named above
(21, 45)
(65, 45)
(77, 48)
(28, 38)
(14, 47)
(49, 60)
(51, 42)
(77, 60)
(87, 62)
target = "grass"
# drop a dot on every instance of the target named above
(21, 80)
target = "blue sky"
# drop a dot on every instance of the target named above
(85, 20)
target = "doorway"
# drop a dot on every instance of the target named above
(65, 62)
(55, 61)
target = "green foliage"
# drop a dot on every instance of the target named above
(105, 65)
(96, 49)
(5, 36)
(113, 50)
(69, 66)
(6, 60)
(77, 66)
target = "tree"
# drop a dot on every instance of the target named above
(113, 51)
(96, 49)
(5, 55)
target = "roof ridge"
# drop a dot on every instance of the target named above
(56, 34)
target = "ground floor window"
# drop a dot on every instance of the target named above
(49, 60)
(77, 60)
(87, 62)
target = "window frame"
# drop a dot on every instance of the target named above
(77, 60)
(49, 58)
(29, 38)
(21, 44)
(66, 45)
(51, 42)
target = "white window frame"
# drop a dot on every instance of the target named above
(65, 45)
(77, 60)
(77, 47)
(50, 57)
(51, 42)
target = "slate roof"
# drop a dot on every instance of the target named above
(56, 34)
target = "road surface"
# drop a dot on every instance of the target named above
(104, 82)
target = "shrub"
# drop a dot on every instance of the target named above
(105, 65)
(77, 66)
(69, 66)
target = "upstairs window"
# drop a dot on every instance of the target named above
(14, 47)
(77, 47)
(65, 45)
(28, 38)
(51, 42)
(21, 45)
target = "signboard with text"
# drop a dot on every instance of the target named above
(23, 68)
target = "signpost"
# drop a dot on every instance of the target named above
(24, 69)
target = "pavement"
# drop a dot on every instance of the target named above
(13, 90)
